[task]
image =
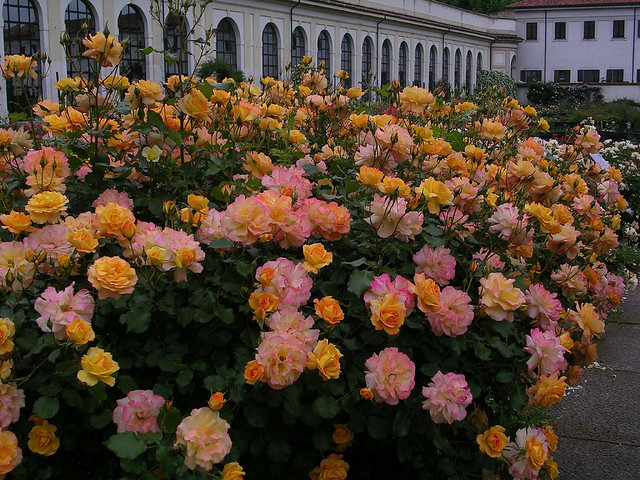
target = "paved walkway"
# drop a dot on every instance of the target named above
(599, 421)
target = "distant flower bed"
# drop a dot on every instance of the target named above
(198, 282)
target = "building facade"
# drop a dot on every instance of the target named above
(418, 42)
(578, 41)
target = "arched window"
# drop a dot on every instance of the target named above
(131, 28)
(21, 37)
(468, 71)
(402, 64)
(270, 64)
(298, 46)
(77, 14)
(346, 57)
(433, 58)
(457, 71)
(445, 66)
(324, 53)
(478, 65)
(367, 59)
(385, 64)
(513, 67)
(176, 43)
(419, 66)
(226, 43)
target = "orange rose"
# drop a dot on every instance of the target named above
(427, 291)
(493, 441)
(104, 50)
(7, 331)
(370, 176)
(316, 257)
(17, 222)
(326, 359)
(366, 393)
(112, 218)
(342, 435)
(257, 164)
(548, 390)
(80, 332)
(196, 105)
(436, 193)
(535, 452)
(552, 438)
(97, 366)
(112, 277)
(232, 471)
(216, 401)
(47, 207)
(10, 453)
(253, 372)
(329, 310)
(43, 440)
(83, 240)
(262, 303)
(331, 468)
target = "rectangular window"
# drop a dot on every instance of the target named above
(528, 76)
(638, 29)
(561, 30)
(532, 31)
(618, 29)
(562, 76)
(589, 76)
(638, 76)
(589, 30)
(615, 75)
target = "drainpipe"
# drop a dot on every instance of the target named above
(291, 25)
(633, 49)
(544, 72)
(378, 48)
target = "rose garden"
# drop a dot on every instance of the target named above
(296, 279)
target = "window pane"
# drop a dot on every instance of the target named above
(385, 74)
(562, 76)
(131, 27)
(175, 41)
(618, 29)
(77, 15)
(532, 31)
(561, 31)
(346, 53)
(589, 30)
(402, 64)
(298, 47)
(432, 68)
(270, 67)
(418, 66)
(324, 53)
(226, 43)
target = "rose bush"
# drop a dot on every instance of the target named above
(200, 281)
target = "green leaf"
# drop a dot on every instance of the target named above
(126, 445)
(46, 407)
(326, 407)
(136, 320)
(279, 451)
(310, 169)
(221, 243)
(378, 428)
(225, 314)
(167, 460)
(184, 377)
(481, 351)
(504, 376)
(402, 423)
(359, 281)
(170, 362)
(169, 420)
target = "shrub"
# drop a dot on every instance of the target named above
(491, 78)
(219, 69)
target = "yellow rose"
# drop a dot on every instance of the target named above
(156, 255)
(354, 92)
(198, 202)
(253, 372)
(80, 332)
(493, 441)
(552, 468)
(97, 366)
(342, 435)
(388, 313)
(394, 185)
(83, 240)
(262, 303)
(544, 215)
(436, 193)
(5, 369)
(535, 453)
(326, 359)
(10, 453)
(331, 468)
(152, 154)
(116, 82)
(216, 401)
(17, 222)
(552, 438)
(196, 105)
(316, 257)
(232, 471)
(112, 277)
(47, 207)
(370, 176)
(329, 310)
(548, 390)
(543, 124)
(144, 92)
(7, 331)
(43, 440)
(104, 50)
(360, 120)
(19, 66)
(111, 218)
(257, 164)
(427, 291)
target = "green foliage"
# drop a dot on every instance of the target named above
(490, 79)
(219, 69)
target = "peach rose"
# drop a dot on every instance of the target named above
(17, 222)
(10, 453)
(388, 313)
(112, 277)
(329, 310)
(47, 207)
(253, 372)
(97, 366)
(80, 332)
(370, 176)
(493, 441)
(427, 291)
(499, 297)
(315, 257)
(326, 359)
(548, 390)
(216, 401)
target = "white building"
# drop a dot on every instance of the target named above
(415, 41)
(579, 41)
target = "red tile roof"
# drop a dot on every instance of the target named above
(571, 3)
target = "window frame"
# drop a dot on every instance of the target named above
(592, 31)
(226, 40)
(324, 53)
(346, 57)
(133, 63)
(418, 65)
(531, 31)
(77, 34)
(590, 71)
(170, 38)
(403, 54)
(527, 76)
(560, 31)
(270, 58)
(618, 25)
(298, 45)
(385, 63)
(617, 72)
(560, 73)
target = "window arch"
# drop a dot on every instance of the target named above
(77, 14)
(513, 67)
(445, 66)
(270, 64)
(367, 59)
(298, 45)
(433, 58)
(478, 65)
(21, 37)
(469, 71)
(176, 42)
(419, 66)
(346, 57)
(324, 52)
(226, 47)
(457, 71)
(131, 27)
(385, 64)
(403, 53)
